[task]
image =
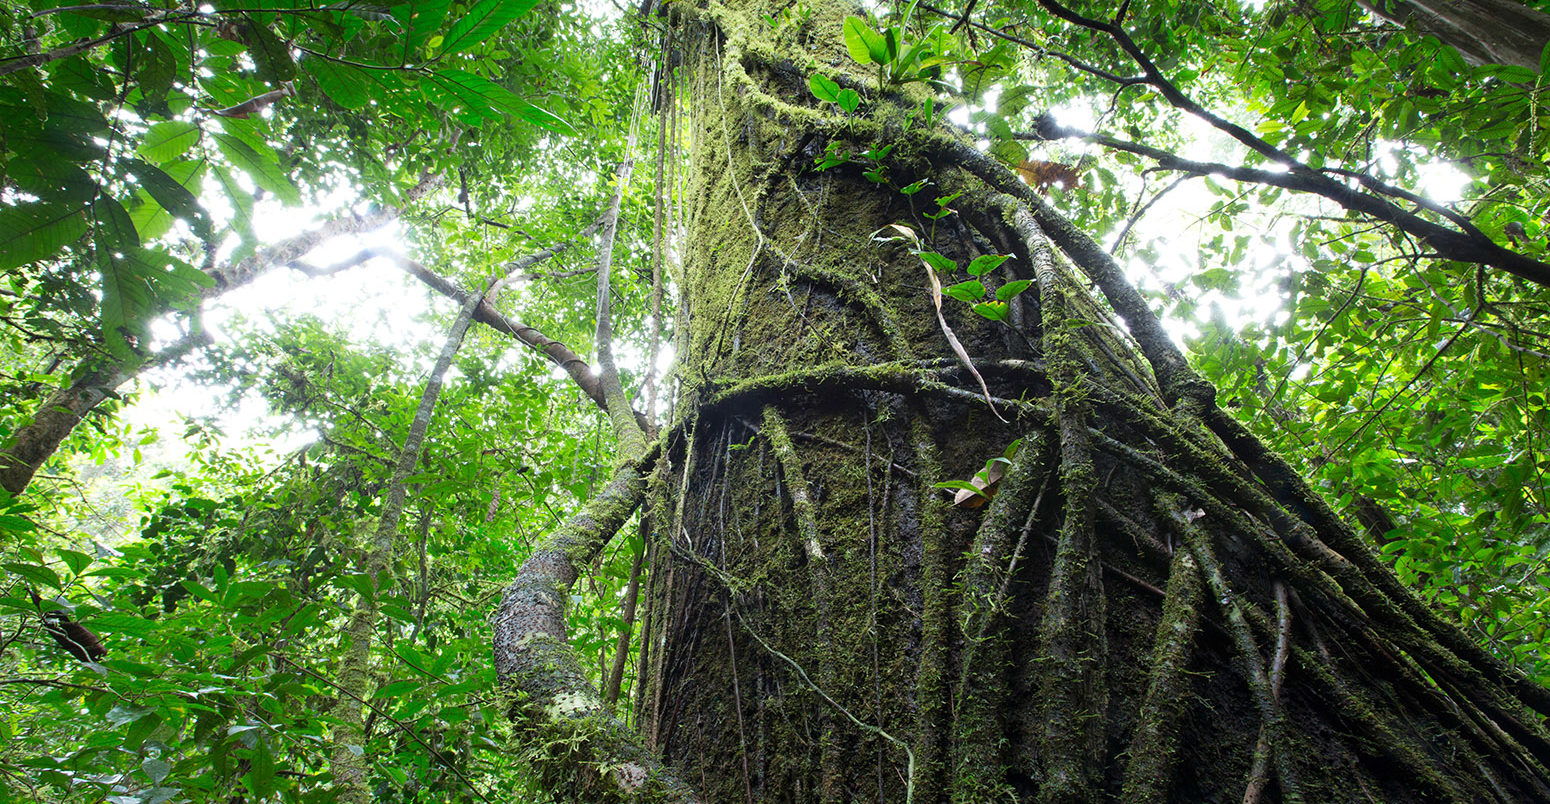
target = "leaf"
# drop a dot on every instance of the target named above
(75, 560)
(344, 84)
(995, 311)
(396, 689)
(241, 208)
(419, 18)
(849, 100)
(32, 232)
(156, 769)
(970, 291)
(1011, 289)
(986, 263)
(487, 95)
(172, 196)
(42, 172)
(35, 573)
(155, 69)
(265, 174)
(271, 55)
(260, 779)
(482, 21)
(864, 44)
(167, 141)
(937, 261)
(823, 89)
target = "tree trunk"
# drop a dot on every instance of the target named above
(1483, 31)
(1150, 608)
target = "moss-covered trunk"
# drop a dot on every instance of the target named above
(1150, 607)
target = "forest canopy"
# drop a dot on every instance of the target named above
(250, 549)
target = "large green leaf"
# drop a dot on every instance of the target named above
(32, 232)
(155, 68)
(485, 95)
(419, 18)
(173, 196)
(481, 22)
(344, 84)
(241, 208)
(265, 174)
(40, 171)
(270, 53)
(167, 141)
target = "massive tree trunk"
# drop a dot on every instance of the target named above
(1150, 608)
(1483, 31)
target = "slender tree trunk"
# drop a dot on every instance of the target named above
(1150, 607)
(1483, 31)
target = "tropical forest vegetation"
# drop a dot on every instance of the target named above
(774, 400)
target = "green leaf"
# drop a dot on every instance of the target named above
(970, 291)
(32, 232)
(127, 624)
(156, 769)
(849, 100)
(995, 311)
(172, 196)
(397, 689)
(419, 18)
(35, 573)
(823, 89)
(481, 22)
(271, 55)
(264, 173)
(344, 84)
(1011, 289)
(155, 69)
(986, 263)
(488, 96)
(167, 141)
(260, 778)
(44, 173)
(937, 261)
(75, 560)
(958, 484)
(864, 44)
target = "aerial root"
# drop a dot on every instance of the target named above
(1074, 628)
(1154, 748)
(831, 785)
(1251, 666)
(983, 691)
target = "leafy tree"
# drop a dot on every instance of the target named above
(935, 510)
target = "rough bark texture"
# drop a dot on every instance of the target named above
(1483, 31)
(1151, 608)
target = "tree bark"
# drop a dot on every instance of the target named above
(1147, 608)
(1482, 31)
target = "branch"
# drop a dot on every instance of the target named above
(288, 251)
(1468, 244)
(631, 436)
(559, 715)
(15, 63)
